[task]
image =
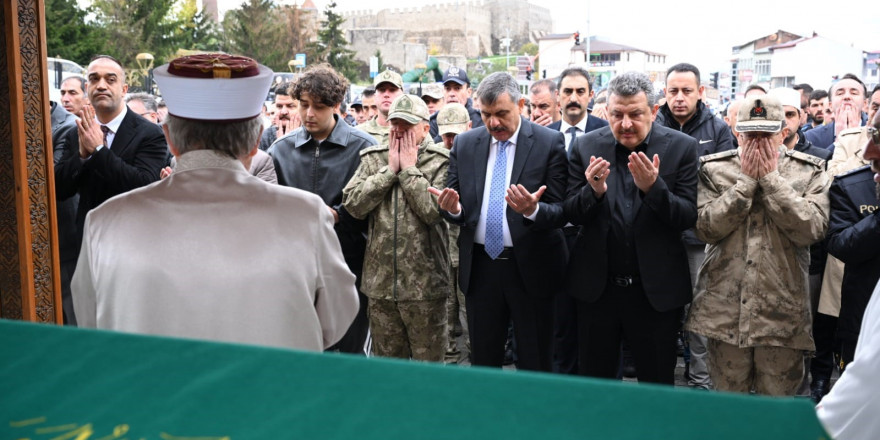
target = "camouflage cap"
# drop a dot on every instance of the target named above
(433, 90)
(389, 76)
(453, 118)
(410, 108)
(760, 113)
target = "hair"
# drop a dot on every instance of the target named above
(234, 139)
(684, 67)
(631, 84)
(343, 107)
(82, 81)
(285, 88)
(816, 95)
(493, 86)
(852, 77)
(148, 100)
(543, 84)
(876, 89)
(755, 87)
(108, 57)
(323, 84)
(163, 104)
(806, 88)
(575, 71)
(368, 92)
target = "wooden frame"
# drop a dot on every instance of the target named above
(29, 261)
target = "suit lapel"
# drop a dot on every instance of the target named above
(523, 147)
(123, 137)
(480, 162)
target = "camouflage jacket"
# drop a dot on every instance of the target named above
(377, 131)
(752, 289)
(407, 255)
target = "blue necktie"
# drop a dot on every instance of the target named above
(495, 212)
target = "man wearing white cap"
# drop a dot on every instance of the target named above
(228, 266)
(759, 208)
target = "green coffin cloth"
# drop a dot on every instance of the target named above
(64, 383)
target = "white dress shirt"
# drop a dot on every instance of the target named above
(480, 235)
(581, 126)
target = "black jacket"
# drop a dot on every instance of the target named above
(854, 238)
(323, 169)
(476, 121)
(818, 251)
(712, 135)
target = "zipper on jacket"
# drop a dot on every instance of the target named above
(315, 167)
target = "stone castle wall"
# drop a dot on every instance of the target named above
(470, 29)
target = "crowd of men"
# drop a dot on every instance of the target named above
(449, 221)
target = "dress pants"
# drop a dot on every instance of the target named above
(625, 312)
(495, 296)
(565, 347)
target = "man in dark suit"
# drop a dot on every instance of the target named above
(513, 255)
(574, 93)
(633, 190)
(113, 150)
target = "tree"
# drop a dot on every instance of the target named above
(379, 65)
(134, 26)
(331, 46)
(68, 35)
(195, 30)
(257, 30)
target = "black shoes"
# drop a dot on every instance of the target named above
(819, 388)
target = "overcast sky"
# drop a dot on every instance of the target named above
(698, 31)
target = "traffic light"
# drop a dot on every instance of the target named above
(714, 81)
(577, 38)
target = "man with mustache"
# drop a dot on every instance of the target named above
(816, 109)
(511, 256)
(632, 190)
(760, 207)
(112, 151)
(850, 410)
(286, 118)
(573, 93)
(389, 85)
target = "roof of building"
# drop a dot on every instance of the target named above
(308, 4)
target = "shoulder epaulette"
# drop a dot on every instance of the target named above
(851, 131)
(439, 148)
(819, 162)
(717, 156)
(373, 149)
(854, 171)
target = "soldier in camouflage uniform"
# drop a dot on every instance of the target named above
(760, 207)
(452, 120)
(406, 267)
(389, 85)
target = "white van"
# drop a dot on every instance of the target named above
(59, 70)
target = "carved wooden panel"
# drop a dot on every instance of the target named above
(28, 260)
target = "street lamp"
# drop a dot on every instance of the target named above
(145, 64)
